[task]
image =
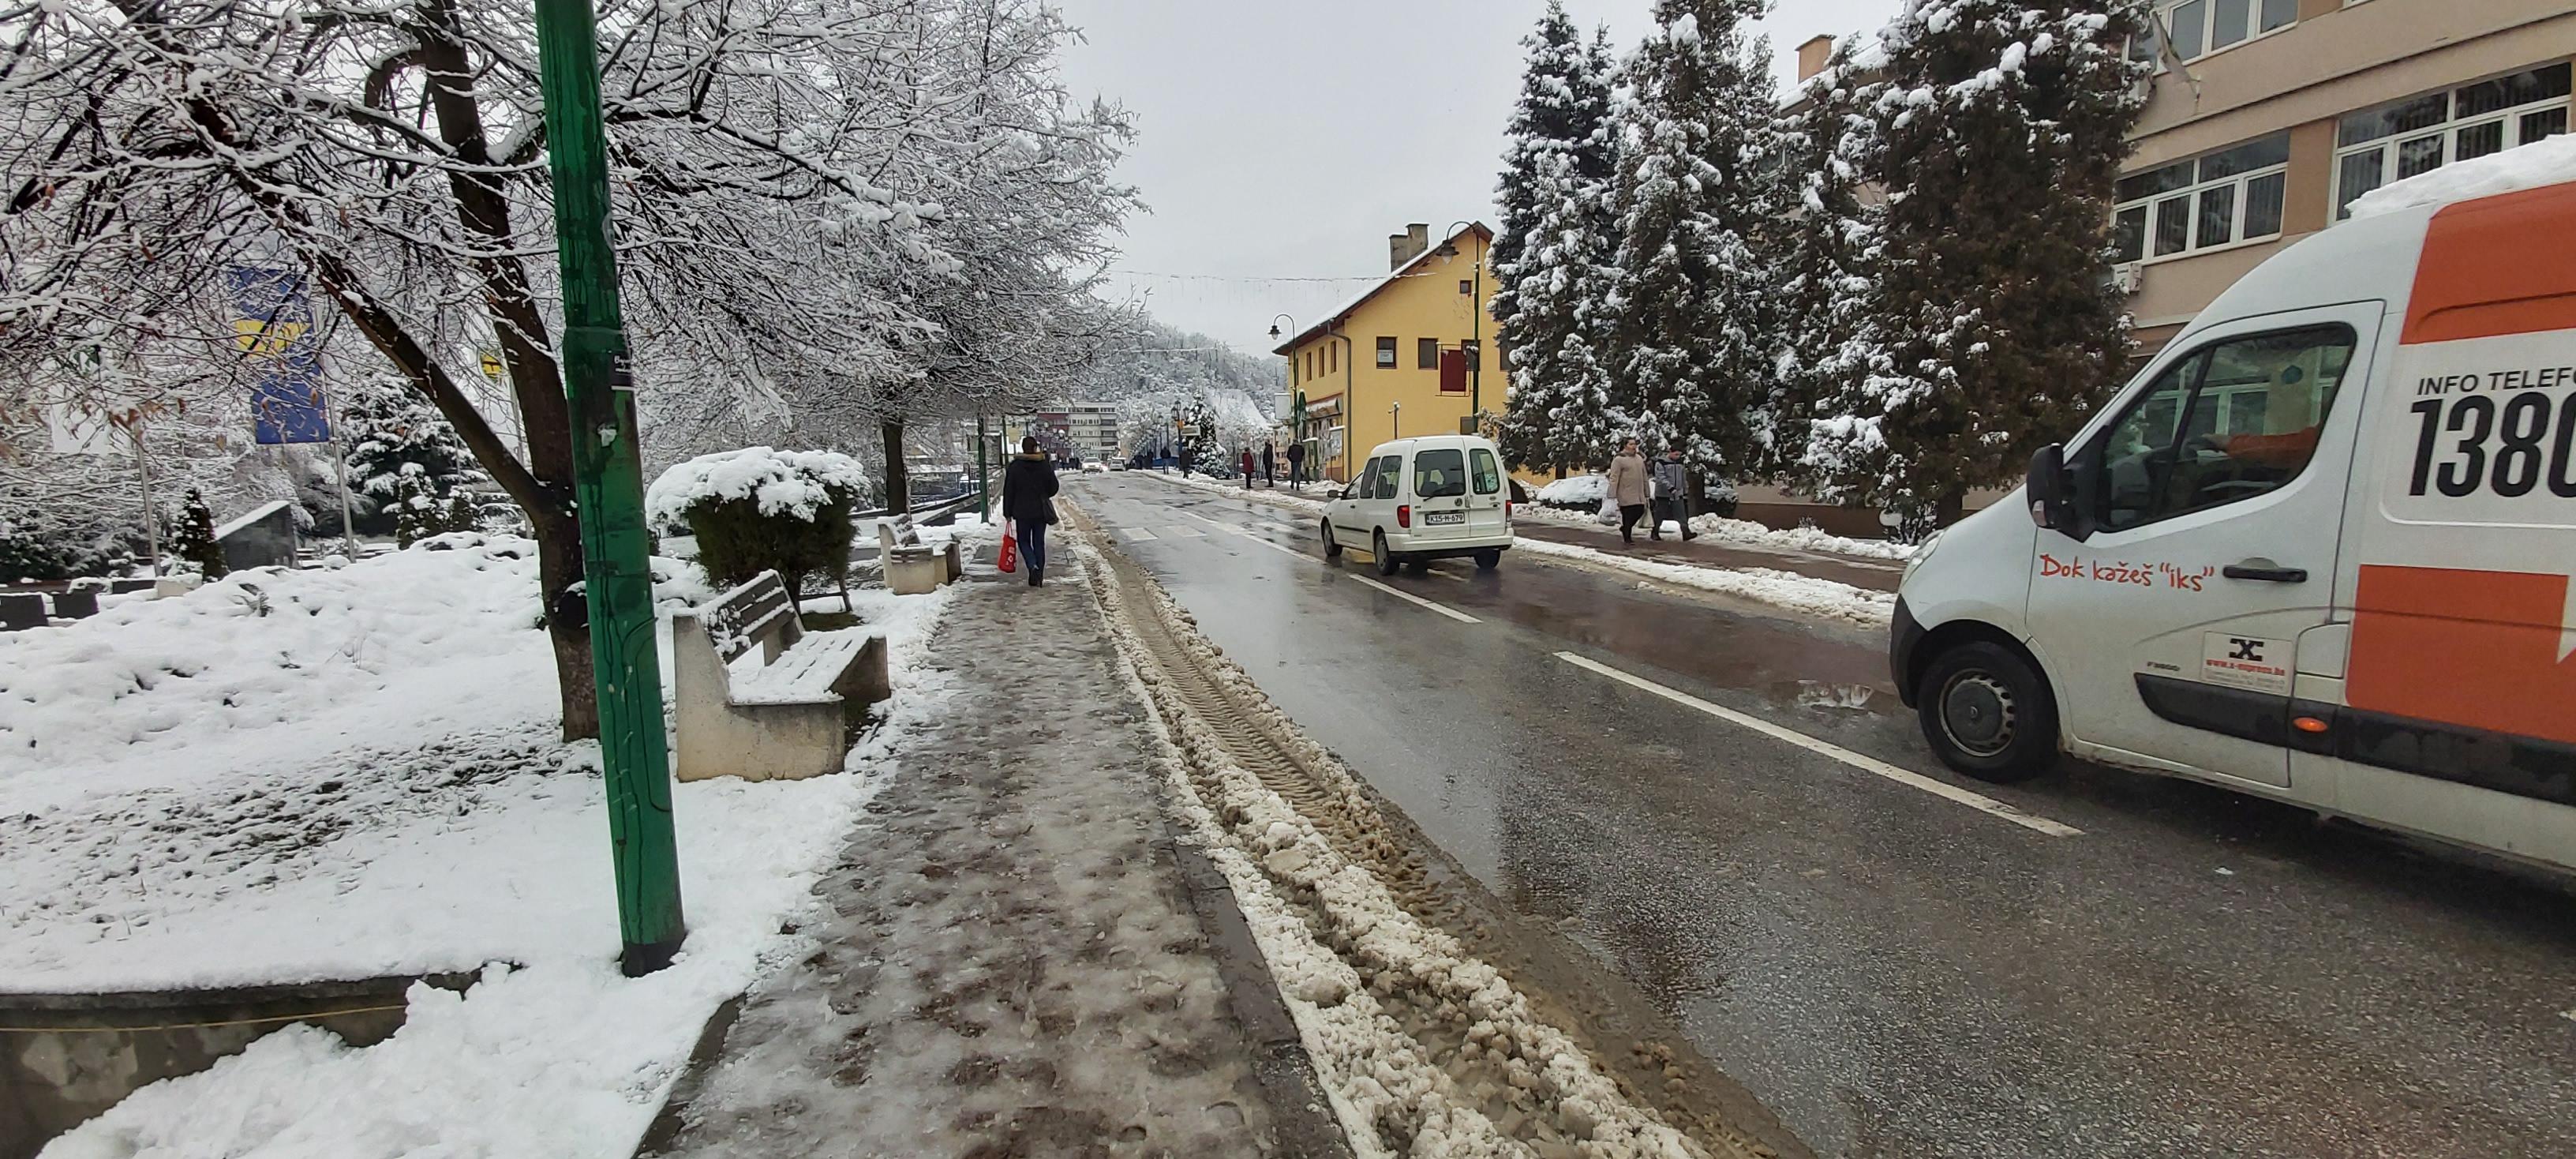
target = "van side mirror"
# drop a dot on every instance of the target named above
(2046, 488)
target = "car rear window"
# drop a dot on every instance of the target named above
(1439, 474)
(1489, 478)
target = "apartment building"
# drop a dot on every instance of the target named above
(2269, 117)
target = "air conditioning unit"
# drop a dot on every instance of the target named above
(2125, 277)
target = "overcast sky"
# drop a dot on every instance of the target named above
(1287, 139)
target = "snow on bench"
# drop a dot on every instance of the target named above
(790, 717)
(913, 567)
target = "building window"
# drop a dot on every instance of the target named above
(1466, 287)
(2197, 28)
(2376, 146)
(1426, 352)
(1386, 353)
(1332, 359)
(2223, 198)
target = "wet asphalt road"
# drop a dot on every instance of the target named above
(1892, 972)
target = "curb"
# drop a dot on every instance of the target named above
(1305, 1123)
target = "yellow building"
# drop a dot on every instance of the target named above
(1412, 355)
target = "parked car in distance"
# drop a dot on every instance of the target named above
(1420, 499)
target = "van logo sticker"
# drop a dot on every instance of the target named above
(2250, 662)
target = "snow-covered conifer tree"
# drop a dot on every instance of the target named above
(1999, 129)
(1694, 345)
(1556, 235)
(1831, 342)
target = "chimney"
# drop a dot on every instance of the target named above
(1813, 54)
(1406, 246)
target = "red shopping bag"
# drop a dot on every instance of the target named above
(1010, 561)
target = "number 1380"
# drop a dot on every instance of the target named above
(2509, 449)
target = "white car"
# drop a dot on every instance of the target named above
(1420, 499)
(1096, 465)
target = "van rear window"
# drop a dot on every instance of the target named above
(1439, 474)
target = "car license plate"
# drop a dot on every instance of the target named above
(1436, 518)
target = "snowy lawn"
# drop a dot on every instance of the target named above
(354, 772)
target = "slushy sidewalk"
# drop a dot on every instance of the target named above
(1016, 960)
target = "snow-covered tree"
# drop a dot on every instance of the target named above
(1693, 343)
(192, 537)
(393, 433)
(1556, 235)
(810, 198)
(1999, 129)
(1832, 343)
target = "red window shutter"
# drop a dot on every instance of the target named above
(1453, 371)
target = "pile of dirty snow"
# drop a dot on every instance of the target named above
(2550, 161)
(784, 482)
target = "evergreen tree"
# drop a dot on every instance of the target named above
(1826, 243)
(1998, 130)
(1693, 336)
(193, 539)
(415, 508)
(393, 432)
(1555, 238)
(461, 515)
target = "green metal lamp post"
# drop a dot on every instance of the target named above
(608, 486)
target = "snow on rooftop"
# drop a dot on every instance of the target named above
(2546, 162)
(249, 517)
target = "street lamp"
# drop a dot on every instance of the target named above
(1476, 311)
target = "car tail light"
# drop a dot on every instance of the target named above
(1507, 508)
(1404, 515)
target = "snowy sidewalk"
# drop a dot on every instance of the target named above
(1010, 962)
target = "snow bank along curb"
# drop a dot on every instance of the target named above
(1787, 589)
(553, 1053)
(1743, 533)
(1379, 997)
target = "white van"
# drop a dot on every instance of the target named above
(1417, 500)
(2318, 550)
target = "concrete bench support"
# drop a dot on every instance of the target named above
(791, 719)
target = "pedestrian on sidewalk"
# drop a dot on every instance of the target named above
(1628, 486)
(1247, 468)
(1270, 465)
(1028, 501)
(1296, 465)
(1672, 494)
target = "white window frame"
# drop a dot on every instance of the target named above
(2448, 130)
(2189, 195)
(2254, 29)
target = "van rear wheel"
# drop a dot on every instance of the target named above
(1386, 561)
(1488, 559)
(1987, 713)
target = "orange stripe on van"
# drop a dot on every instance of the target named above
(2473, 648)
(2497, 265)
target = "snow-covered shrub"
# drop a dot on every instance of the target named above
(192, 537)
(759, 509)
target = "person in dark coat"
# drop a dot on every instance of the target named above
(1672, 493)
(1270, 465)
(1247, 468)
(1028, 500)
(1296, 464)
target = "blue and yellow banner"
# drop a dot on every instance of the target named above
(273, 330)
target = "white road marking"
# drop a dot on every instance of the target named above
(1136, 534)
(1411, 598)
(1183, 533)
(1872, 765)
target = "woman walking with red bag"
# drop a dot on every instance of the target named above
(1028, 501)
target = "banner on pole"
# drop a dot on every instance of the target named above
(273, 329)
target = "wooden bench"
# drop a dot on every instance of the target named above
(912, 567)
(789, 718)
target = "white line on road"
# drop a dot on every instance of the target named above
(1136, 534)
(1411, 598)
(1183, 533)
(1977, 801)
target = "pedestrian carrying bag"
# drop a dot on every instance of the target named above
(1010, 560)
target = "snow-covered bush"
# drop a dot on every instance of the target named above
(759, 509)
